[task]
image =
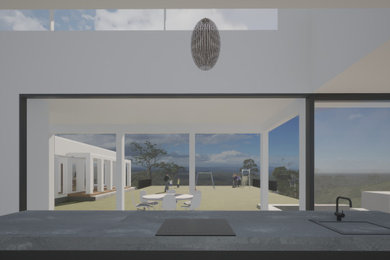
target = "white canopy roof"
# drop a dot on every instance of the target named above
(167, 115)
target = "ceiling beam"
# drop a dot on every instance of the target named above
(178, 4)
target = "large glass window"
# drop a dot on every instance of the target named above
(139, 19)
(352, 151)
(154, 156)
(182, 145)
(24, 20)
(227, 166)
(225, 19)
(284, 165)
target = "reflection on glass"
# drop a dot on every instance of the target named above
(24, 20)
(284, 165)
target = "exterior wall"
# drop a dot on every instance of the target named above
(66, 152)
(156, 62)
(376, 200)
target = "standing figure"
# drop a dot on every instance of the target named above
(166, 180)
(234, 180)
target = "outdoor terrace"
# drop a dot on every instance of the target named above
(221, 198)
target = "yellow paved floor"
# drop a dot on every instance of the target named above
(220, 198)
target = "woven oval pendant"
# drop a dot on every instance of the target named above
(205, 44)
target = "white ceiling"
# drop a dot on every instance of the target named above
(156, 4)
(205, 115)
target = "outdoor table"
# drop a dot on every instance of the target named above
(162, 195)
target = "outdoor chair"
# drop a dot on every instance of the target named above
(169, 202)
(142, 200)
(141, 205)
(195, 202)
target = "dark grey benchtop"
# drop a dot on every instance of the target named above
(135, 230)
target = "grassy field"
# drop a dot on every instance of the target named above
(220, 198)
(328, 186)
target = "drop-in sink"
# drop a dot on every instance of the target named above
(353, 227)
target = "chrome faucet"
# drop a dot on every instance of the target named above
(337, 213)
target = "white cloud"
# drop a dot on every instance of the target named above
(65, 19)
(18, 21)
(171, 139)
(129, 20)
(221, 138)
(355, 116)
(88, 17)
(176, 19)
(225, 158)
(186, 19)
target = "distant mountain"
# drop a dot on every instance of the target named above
(215, 169)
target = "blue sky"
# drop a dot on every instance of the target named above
(348, 140)
(214, 150)
(352, 140)
(148, 19)
(226, 150)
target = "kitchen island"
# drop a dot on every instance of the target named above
(135, 232)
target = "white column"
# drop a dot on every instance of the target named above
(51, 172)
(120, 171)
(89, 175)
(51, 20)
(302, 157)
(100, 175)
(264, 162)
(192, 163)
(128, 174)
(114, 174)
(68, 179)
(108, 169)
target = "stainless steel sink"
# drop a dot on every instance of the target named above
(353, 227)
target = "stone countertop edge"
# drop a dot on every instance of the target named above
(125, 230)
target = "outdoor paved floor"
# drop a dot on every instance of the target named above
(220, 198)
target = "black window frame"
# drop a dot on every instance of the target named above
(310, 99)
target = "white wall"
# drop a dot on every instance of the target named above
(154, 62)
(40, 162)
(376, 200)
(341, 37)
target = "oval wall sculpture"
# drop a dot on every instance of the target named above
(205, 44)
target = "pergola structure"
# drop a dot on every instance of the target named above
(190, 116)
